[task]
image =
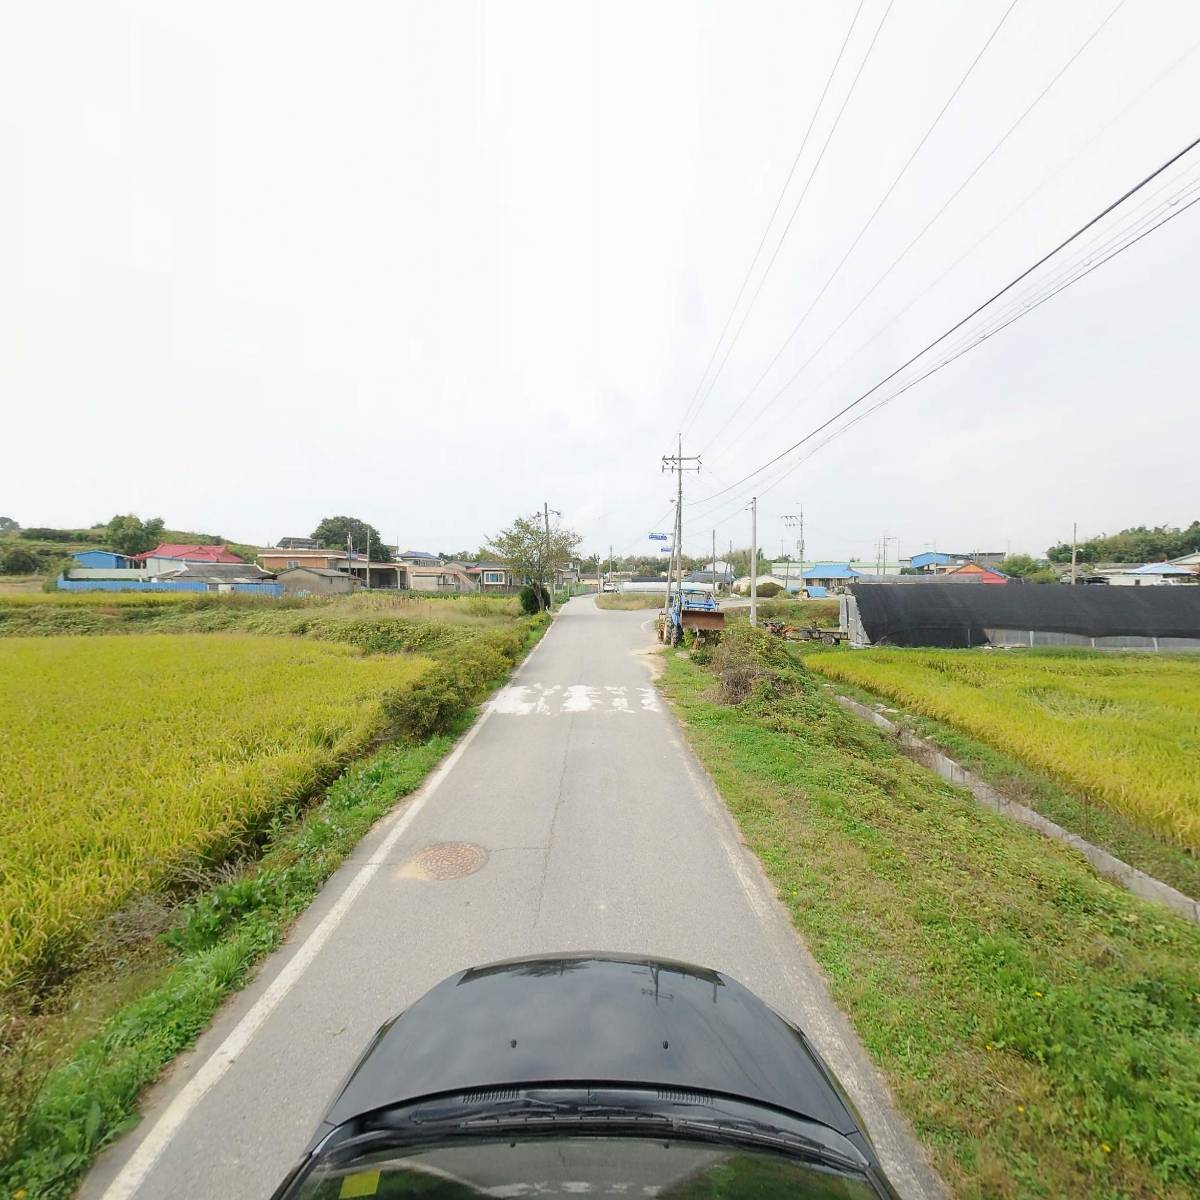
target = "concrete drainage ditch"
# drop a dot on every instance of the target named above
(1108, 865)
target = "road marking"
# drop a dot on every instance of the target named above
(139, 1164)
(521, 700)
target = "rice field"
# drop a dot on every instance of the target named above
(1120, 730)
(123, 760)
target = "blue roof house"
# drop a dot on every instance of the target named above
(931, 558)
(829, 575)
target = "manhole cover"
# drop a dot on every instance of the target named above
(446, 860)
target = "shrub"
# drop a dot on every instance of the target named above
(534, 598)
(769, 590)
(18, 561)
(745, 660)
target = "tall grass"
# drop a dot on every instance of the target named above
(122, 762)
(1120, 730)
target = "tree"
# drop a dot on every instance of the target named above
(1020, 565)
(526, 550)
(131, 535)
(8, 525)
(1135, 544)
(332, 533)
(18, 561)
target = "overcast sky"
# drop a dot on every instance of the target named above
(431, 264)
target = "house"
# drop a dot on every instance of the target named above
(298, 543)
(216, 577)
(419, 558)
(976, 573)
(173, 575)
(166, 555)
(1187, 560)
(831, 576)
(103, 560)
(444, 577)
(742, 586)
(711, 581)
(939, 562)
(389, 576)
(491, 576)
(317, 581)
(1152, 574)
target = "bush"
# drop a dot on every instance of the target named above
(534, 598)
(768, 590)
(744, 661)
(18, 561)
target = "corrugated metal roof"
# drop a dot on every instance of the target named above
(830, 571)
(1160, 569)
(211, 554)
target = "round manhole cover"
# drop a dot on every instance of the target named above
(447, 860)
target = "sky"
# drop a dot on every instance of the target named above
(435, 264)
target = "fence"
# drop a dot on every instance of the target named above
(172, 585)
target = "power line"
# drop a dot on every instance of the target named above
(1103, 129)
(971, 343)
(954, 195)
(987, 303)
(774, 213)
(866, 225)
(795, 209)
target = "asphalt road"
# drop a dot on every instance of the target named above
(585, 823)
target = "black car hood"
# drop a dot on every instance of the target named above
(592, 1019)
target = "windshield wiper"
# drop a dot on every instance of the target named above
(710, 1121)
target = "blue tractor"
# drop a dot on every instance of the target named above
(690, 611)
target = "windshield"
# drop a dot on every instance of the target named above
(628, 1167)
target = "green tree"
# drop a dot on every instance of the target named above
(1135, 544)
(18, 561)
(526, 550)
(332, 533)
(1043, 574)
(8, 525)
(129, 534)
(1020, 565)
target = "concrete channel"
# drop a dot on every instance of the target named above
(1108, 865)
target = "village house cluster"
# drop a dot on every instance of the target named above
(295, 567)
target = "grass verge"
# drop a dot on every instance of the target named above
(630, 601)
(1038, 1025)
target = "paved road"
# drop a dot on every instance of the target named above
(597, 830)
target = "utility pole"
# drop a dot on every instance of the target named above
(792, 521)
(1074, 550)
(714, 562)
(368, 560)
(676, 462)
(802, 551)
(753, 560)
(546, 511)
(610, 561)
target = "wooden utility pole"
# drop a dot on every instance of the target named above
(753, 560)
(1074, 550)
(368, 560)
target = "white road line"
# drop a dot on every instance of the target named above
(139, 1165)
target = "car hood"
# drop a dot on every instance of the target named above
(592, 1019)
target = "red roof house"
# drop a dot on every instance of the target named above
(981, 574)
(201, 554)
